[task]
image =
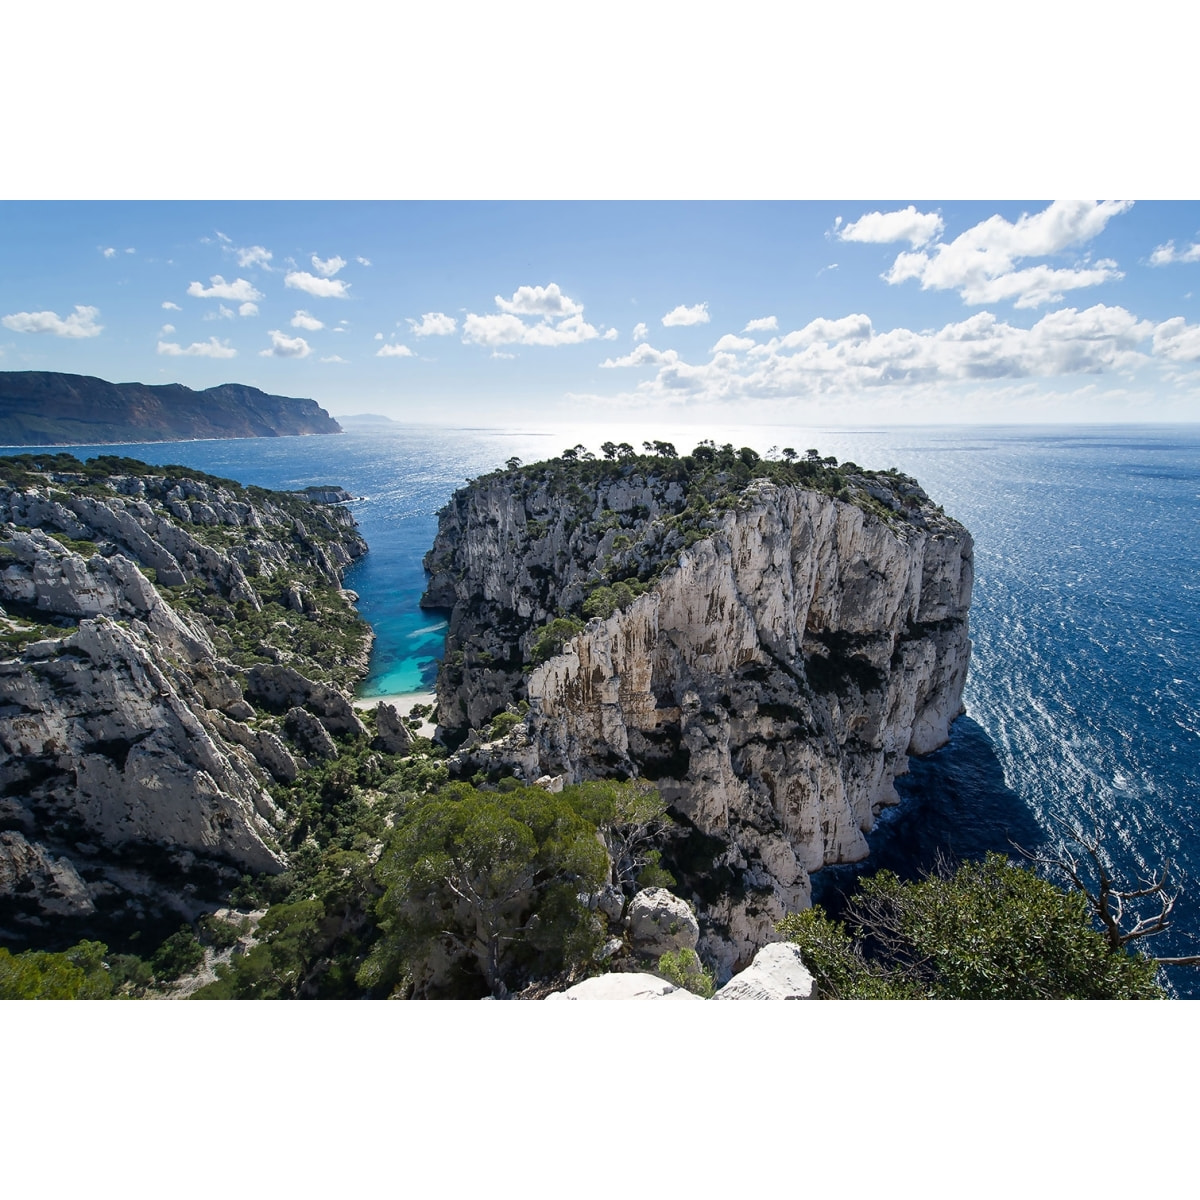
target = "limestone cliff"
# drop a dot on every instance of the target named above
(775, 649)
(156, 625)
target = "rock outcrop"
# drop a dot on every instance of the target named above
(630, 985)
(660, 922)
(774, 657)
(777, 973)
(134, 759)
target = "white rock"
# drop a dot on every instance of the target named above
(659, 921)
(633, 985)
(777, 973)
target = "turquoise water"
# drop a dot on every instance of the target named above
(1083, 700)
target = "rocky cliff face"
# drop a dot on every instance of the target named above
(49, 408)
(154, 629)
(788, 651)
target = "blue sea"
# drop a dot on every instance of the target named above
(1083, 698)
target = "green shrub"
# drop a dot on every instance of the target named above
(684, 969)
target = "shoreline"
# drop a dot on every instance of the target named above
(403, 703)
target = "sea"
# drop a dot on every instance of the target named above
(1083, 696)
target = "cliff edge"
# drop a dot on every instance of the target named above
(766, 641)
(160, 632)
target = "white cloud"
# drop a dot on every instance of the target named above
(904, 225)
(253, 256)
(109, 251)
(696, 315)
(1166, 254)
(166, 330)
(610, 335)
(249, 309)
(305, 320)
(844, 356)
(761, 325)
(731, 343)
(334, 358)
(170, 304)
(643, 356)
(363, 262)
(130, 250)
(79, 324)
(222, 314)
(641, 331)
(545, 301)
(379, 337)
(980, 263)
(283, 346)
(328, 266)
(304, 282)
(210, 349)
(433, 325)
(502, 354)
(239, 289)
(502, 329)
(393, 350)
(1177, 341)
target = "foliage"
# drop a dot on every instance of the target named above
(684, 969)
(631, 818)
(489, 877)
(75, 974)
(179, 955)
(550, 638)
(503, 724)
(654, 874)
(991, 930)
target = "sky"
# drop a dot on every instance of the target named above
(850, 312)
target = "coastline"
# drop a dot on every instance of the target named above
(404, 703)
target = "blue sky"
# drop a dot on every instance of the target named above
(852, 312)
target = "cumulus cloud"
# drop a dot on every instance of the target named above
(393, 350)
(166, 330)
(433, 325)
(545, 301)
(904, 225)
(79, 324)
(253, 256)
(1177, 341)
(170, 304)
(218, 289)
(222, 314)
(334, 358)
(283, 346)
(681, 315)
(210, 349)
(249, 309)
(1166, 254)
(328, 266)
(363, 262)
(611, 335)
(303, 281)
(304, 320)
(641, 331)
(109, 251)
(846, 355)
(981, 263)
(761, 325)
(731, 343)
(644, 355)
(503, 329)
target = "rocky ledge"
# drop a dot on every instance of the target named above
(767, 641)
(159, 632)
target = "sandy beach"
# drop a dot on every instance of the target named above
(404, 705)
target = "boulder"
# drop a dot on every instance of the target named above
(309, 734)
(392, 737)
(281, 688)
(777, 973)
(660, 921)
(633, 985)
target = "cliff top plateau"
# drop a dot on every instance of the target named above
(48, 408)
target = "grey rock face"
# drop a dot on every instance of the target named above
(631, 985)
(309, 734)
(284, 688)
(125, 750)
(772, 682)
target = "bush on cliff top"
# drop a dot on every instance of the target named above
(990, 931)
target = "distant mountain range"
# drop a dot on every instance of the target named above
(48, 408)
